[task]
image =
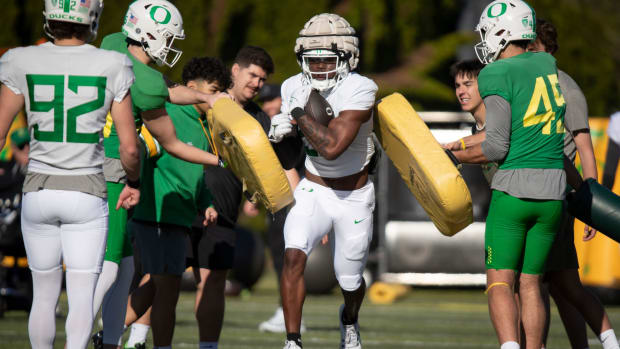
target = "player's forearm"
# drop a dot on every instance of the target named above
(322, 139)
(184, 95)
(473, 155)
(161, 127)
(188, 153)
(130, 160)
(583, 141)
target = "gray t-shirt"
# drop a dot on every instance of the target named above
(524, 183)
(576, 116)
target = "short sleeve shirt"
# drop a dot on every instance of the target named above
(172, 190)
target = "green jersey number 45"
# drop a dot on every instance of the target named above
(534, 115)
(57, 105)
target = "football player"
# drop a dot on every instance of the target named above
(573, 301)
(68, 87)
(336, 194)
(530, 182)
(148, 35)
(173, 192)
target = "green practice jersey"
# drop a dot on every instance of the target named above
(529, 83)
(148, 92)
(173, 190)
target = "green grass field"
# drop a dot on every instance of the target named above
(425, 318)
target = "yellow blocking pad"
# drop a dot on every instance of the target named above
(241, 141)
(386, 293)
(423, 164)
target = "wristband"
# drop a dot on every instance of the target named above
(133, 184)
(463, 147)
(296, 113)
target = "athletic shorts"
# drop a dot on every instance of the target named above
(519, 232)
(319, 210)
(212, 248)
(119, 244)
(563, 254)
(64, 226)
(162, 246)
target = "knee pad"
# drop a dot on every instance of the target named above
(349, 282)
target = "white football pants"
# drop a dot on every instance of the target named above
(71, 227)
(319, 210)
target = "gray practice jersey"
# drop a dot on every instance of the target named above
(576, 116)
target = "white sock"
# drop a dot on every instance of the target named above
(42, 321)
(207, 345)
(608, 339)
(510, 345)
(138, 334)
(106, 279)
(79, 324)
(115, 304)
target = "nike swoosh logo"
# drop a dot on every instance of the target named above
(361, 220)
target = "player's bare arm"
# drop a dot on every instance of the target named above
(184, 95)
(123, 119)
(466, 142)
(158, 122)
(333, 140)
(11, 104)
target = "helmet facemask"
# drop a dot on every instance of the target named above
(166, 54)
(491, 44)
(323, 69)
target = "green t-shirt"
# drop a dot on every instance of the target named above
(148, 92)
(529, 83)
(172, 190)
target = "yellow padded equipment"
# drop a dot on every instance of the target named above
(423, 165)
(240, 140)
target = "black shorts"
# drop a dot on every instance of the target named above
(212, 248)
(563, 254)
(161, 246)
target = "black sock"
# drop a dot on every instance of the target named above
(346, 321)
(296, 337)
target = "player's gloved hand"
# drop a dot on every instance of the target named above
(151, 145)
(299, 97)
(280, 126)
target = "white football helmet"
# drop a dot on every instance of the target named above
(155, 24)
(81, 12)
(327, 37)
(501, 22)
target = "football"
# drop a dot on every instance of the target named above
(318, 108)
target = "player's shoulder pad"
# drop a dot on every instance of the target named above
(291, 84)
(360, 81)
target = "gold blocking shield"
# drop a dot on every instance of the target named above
(423, 165)
(240, 140)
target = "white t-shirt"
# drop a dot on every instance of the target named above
(68, 91)
(613, 130)
(354, 92)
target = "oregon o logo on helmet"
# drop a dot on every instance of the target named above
(502, 10)
(160, 15)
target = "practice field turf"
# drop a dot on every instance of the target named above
(425, 318)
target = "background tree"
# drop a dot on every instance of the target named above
(407, 45)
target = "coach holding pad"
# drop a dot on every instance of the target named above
(214, 250)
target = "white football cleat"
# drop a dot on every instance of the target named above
(275, 324)
(291, 345)
(349, 334)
